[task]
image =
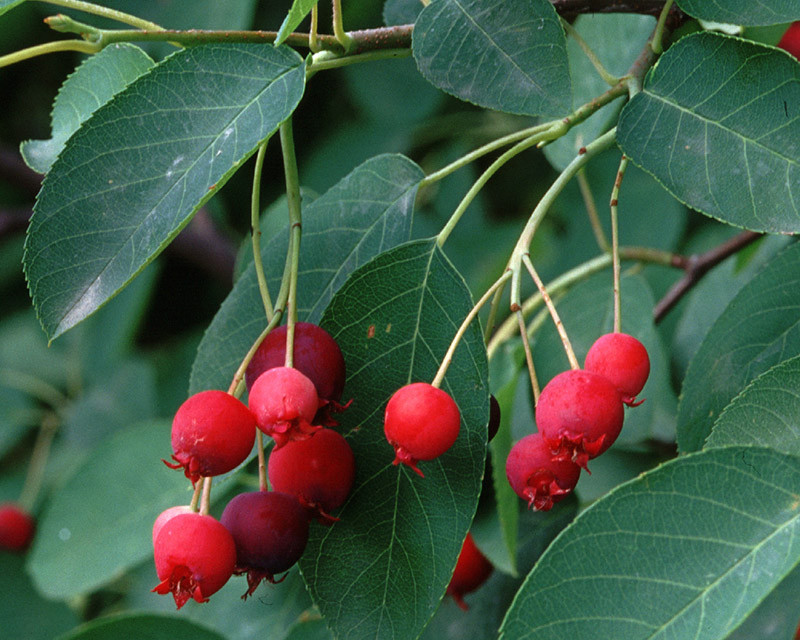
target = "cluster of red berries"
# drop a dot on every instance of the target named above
(17, 527)
(311, 469)
(579, 416)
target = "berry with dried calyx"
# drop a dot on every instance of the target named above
(536, 477)
(623, 360)
(421, 422)
(17, 527)
(472, 570)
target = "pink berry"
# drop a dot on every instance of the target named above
(623, 360)
(790, 41)
(472, 570)
(284, 402)
(17, 527)
(421, 423)
(270, 530)
(212, 433)
(167, 515)
(536, 477)
(195, 556)
(580, 415)
(319, 471)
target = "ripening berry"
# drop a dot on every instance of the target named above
(270, 530)
(536, 477)
(17, 527)
(421, 423)
(623, 360)
(284, 402)
(212, 433)
(580, 415)
(195, 556)
(319, 471)
(790, 41)
(167, 515)
(472, 570)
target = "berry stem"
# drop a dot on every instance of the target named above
(49, 47)
(591, 210)
(338, 27)
(623, 164)
(448, 356)
(601, 70)
(528, 356)
(105, 12)
(236, 387)
(198, 489)
(205, 499)
(657, 44)
(38, 462)
(255, 231)
(573, 361)
(262, 462)
(313, 40)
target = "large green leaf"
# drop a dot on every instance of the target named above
(718, 123)
(757, 330)
(298, 11)
(745, 12)
(136, 171)
(381, 571)
(365, 213)
(6, 5)
(142, 626)
(508, 55)
(100, 523)
(684, 551)
(92, 84)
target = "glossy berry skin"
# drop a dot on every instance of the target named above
(421, 422)
(319, 471)
(494, 418)
(167, 515)
(580, 415)
(790, 41)
(284, 402)
(270, 530)
(316, 355)
(472, 570)
(17, 527)
(536, 477)
(195, 556)
(212, 433)
(623, 360)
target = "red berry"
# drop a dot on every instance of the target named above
(623, 360)
(284, 402)
(536, 477)
(580, 415)
(472, 570)
(270, 530)
(319, 471)
(421, 423)
(167, 515)
(212, 433)
(494, 418)
(790, 41)
(17, 527)
(316, 355)
(195, 556)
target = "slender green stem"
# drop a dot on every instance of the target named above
(198, 489)
(295, 225)
(604, 74)
(623, 163)
(38, 462)
(263, 485)
(528, 356)
(255, 231)
(80, 46)
(493, 311)
(448, 356)
(338, 27)
(34, 386)
(205, 499)
(236, 387)
(105, 12)
(657, 44)
(313, 40)
(591, 210)
(325, 60)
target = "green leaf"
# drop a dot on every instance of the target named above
(381, 571)
(776, 618)
(744, 12)
(137, 170)
(718, 123)
(757, 330)
(7, 5)
(298, 11)
(367, 212)
(508, 55)
(142, 626)
(100, 523)
(312, 629)
(397, 12)
(89, 87)
(766, 413)
(684, 551)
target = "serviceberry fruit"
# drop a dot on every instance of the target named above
(421, 423)
(472, 570)
(316, 356)
(790, 41)
(318, 471)
(212, 433)
(284, 402)
(270, 530)
(580, 415)
(167, 515)
(536, 477)
(195, 556)
(623, 360)
(17, 527)
(494, 418)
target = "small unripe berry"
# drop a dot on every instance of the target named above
(472, 570)
(421, 423)
(195, 556)
(580, 415)
(167, 515)
(319, 471)
(623, 360)
(17, 527)
(212, 433)
(284, 402)
(270, 530)
(536, 477)
(790, 41)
